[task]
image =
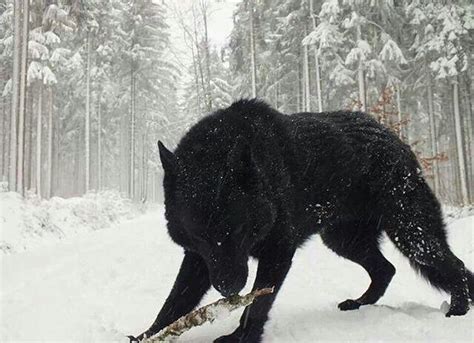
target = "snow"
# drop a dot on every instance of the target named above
(8, 88)
(109, 283)
(391, 52)
(51, 38)
(35, 71)
(30, 222)
(341, 75)
(59, 55)
(445, 67)
(326, 34)
(37, 50)
(358, 53)
(48, 76)
(330, 8)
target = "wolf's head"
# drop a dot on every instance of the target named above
(218, 205)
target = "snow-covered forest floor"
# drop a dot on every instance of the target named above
(30, 222)
(104, 284)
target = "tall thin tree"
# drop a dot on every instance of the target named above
(15, 94)
(307, 85)
(460, 144)
(22, 101)
(432, 126)
(316, 59)
(204, 12)
(361, 76)
(88, 111)
(253, 62)
(49, 172)
(39, 129)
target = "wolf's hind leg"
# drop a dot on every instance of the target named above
(361, 246)
(380, 271)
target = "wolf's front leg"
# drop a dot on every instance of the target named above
(190, 286)
(272, 270)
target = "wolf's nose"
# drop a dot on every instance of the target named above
(225, 289)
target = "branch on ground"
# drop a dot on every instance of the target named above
(205, 314)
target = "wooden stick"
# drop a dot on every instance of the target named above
(205, 314)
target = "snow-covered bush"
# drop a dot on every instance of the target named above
(452, 212)
(30, 221)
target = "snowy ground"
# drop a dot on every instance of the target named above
(105, 284)
(29, 222)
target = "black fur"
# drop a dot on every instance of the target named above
(250, 181)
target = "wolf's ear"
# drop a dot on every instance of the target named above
(168, 159)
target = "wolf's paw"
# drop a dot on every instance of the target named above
(349, 305)
(457, 310)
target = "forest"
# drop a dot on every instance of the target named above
(87, 87)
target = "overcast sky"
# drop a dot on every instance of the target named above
(219, 24)
(219, 29)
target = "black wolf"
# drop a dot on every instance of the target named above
(250, 181)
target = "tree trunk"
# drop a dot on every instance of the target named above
(204, 10)
(361, 79)
(49, 174)
(88, 113)
(298, 89)
(38, 138)
(277, 94)
(131, 186)
(253, 64)
(460, 145)
(198, 56)
(3, 137)
(196, 79)
(124, 146)
(99, 144)
(74, 188)
(12, 181)
(306, 78)
(144, 169)
(399, 113)
(434, 150)
(318, 81)
(29, 140)
(22, 101)
(5, 130)
(469, 128)
(316, 60)
(153, 187)
(303, 81)
(57, 166)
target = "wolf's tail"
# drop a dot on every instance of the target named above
(436, 278)
(418, 231)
